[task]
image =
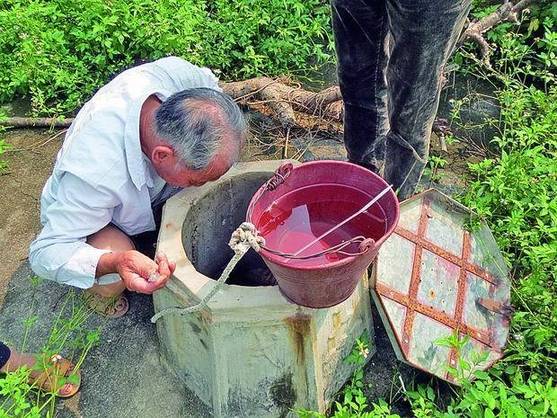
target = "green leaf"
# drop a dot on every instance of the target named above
(488, 414)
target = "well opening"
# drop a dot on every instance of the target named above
(209, 224)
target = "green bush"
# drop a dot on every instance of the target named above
(517, 195)
(57, 52)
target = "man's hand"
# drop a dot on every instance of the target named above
(141, 274)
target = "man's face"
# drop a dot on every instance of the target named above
(176, 174)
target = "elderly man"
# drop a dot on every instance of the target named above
(152, 130)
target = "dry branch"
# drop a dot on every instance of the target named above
(507, 12)
(284, 99)
(280, 98)
(21, 122)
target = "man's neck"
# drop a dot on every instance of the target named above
(147, 136)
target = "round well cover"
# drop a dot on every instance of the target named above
(434, 280)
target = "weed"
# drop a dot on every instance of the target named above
(432, 170)
(352, 401)
(4, 146)
(68, 335)
(483, 394)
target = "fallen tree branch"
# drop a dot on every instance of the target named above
(507, 12)
(22, 122)
(282, 99)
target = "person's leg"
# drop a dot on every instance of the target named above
(110, 238)
(106, 296)
(5, 354)
(11, 360)
(422, 37)
(360, 27)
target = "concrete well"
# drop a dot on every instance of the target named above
(252, 353)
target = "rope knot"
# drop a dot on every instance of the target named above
(246, 237)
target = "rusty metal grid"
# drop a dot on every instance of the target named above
(413, 305)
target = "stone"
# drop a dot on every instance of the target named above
(251, 353)
(480, 111)
(324, 149)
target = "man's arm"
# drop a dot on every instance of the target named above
(139, 273)
(61, 253)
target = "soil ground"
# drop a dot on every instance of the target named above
(20, 189)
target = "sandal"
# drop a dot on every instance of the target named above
(58, 377)
(110, 307)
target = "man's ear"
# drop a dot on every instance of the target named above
(162, 154)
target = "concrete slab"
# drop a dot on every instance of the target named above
(251, 353)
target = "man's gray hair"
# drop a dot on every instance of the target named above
(198, 123)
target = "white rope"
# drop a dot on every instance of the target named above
(334, 228)
(242, 239)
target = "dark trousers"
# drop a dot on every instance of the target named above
(391, 55)
(4, 354)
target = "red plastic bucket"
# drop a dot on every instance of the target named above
(299, 204)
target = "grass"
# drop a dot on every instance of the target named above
(4, 146)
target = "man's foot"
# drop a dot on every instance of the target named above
(111, 306)
(54, 375)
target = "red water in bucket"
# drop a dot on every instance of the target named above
(298, 205)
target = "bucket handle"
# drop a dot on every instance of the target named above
(365, 245)
(279, 176)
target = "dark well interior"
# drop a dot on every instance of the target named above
(211, 221)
